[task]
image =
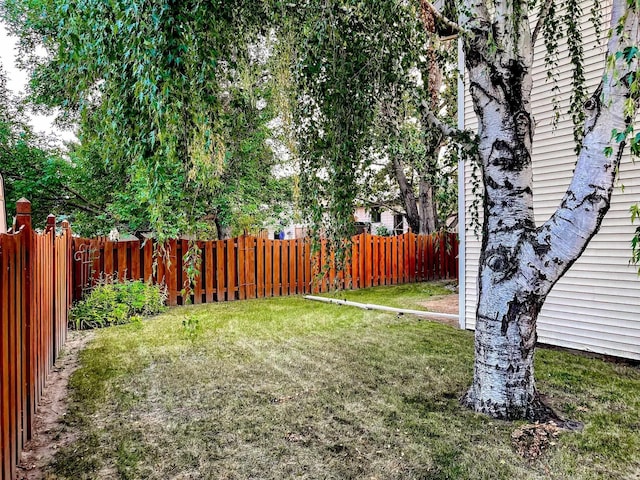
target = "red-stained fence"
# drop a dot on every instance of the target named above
(250, 267)
(35, 296)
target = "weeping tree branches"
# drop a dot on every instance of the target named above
(354, 56)
(156, 87)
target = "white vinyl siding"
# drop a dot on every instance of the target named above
(596, 305)
(387, 220)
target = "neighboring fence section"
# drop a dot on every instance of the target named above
(249, 267)
(35, 297)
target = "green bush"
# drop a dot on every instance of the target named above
(383, 231)
(117, 303)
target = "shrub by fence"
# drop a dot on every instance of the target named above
(35, 297)
(249, 267)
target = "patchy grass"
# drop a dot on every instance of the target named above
(289, 388)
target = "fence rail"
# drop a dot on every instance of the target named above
(249, 267)
(35, 297)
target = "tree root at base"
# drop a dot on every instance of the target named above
(537, 412)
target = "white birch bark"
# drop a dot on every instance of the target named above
(519, 263)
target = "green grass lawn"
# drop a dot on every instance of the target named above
(290, 388)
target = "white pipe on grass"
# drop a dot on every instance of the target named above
(370, 306)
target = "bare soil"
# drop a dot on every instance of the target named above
(443, 304)
(530, 441)
(49, 430)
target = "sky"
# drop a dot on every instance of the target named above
(17, 81)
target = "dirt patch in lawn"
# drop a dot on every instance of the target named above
(49, 431)
(443, 304)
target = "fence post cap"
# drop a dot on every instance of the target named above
(65, 225)
(51, 222)
(23, 206)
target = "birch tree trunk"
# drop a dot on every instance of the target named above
(520, 262)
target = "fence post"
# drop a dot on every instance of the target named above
(66, 229)
(51, 230)
(23, 221)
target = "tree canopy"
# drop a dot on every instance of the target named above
(165, 97)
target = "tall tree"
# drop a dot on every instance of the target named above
(421, 158)
(405, 171)
(520, 262)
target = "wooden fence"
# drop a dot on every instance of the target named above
(249, 267)
(35, 297)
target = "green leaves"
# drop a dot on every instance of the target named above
(349, 53)
(152, 87)
(635, 240)
(628, 53)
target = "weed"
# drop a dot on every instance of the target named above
(191, 325)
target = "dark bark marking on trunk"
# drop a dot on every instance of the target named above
(519, 224)
(540, 249)
(593, 108)
(517, 192)
(509, 79)
(490, 182)
(523, 125)
(507, 158)
(480, 88)
(500, 261)
(598, 199)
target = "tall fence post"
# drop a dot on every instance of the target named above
(23, 222)
(66, 230)
(51, 230)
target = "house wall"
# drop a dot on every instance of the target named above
(291, 231)
(387, 219)
(596, 305)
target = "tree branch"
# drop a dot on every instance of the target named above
(88, 208)
(90, 205)
(387, 206)
(564, 237)
(81, 198)
(541, 18)
(434, 121)
(447, 22)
